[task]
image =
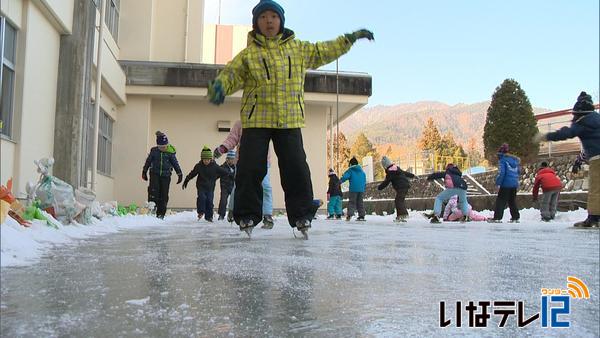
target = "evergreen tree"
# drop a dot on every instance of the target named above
(430, 137)
(510, 120)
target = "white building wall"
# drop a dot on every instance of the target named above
(37, 109)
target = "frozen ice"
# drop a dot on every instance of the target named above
(136, 276)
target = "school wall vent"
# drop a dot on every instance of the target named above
(224, 126)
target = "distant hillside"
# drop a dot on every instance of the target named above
(400, 126)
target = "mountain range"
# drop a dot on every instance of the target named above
(400, 126)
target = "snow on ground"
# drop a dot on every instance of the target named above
(24, 246)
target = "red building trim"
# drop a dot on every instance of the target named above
(552, 114)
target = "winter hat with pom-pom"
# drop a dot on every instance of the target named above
(230, 154)
(331, 172)
(584, 103)
(386, 162)
(161, 138)
(503, 148)
(206, 153)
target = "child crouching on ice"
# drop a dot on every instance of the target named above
(455, 185)
(453, 213)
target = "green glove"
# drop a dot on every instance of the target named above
(360, 34)
(216, 94)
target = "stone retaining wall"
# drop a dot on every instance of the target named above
(422, 192)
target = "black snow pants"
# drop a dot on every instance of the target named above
(158, 192)
(252, 168)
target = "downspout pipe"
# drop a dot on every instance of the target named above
(97, 94)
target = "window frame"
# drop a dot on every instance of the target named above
(111, 17)
(105, 141)
(7, 125)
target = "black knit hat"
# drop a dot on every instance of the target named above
(584, 103)
(353, 161)
(161, 138)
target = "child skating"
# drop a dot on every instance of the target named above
(334, 193)
(400, 182)
(358, 182)
(551, 186)
(271, 71)
(208, 172)
(161, 161)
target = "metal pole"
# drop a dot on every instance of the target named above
(331, 138)
(216, 29)
(97, 95)
(337, 113)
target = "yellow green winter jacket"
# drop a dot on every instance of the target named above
(271, 73)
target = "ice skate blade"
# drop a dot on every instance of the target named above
(304, 234)
(248, 232)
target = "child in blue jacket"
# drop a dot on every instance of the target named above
(356, 194)
(507, 183)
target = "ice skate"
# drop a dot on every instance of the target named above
(434, 220)
(247, 226)
(200, 215)
(514, 221)
(303, 226)
(400, 219)
(588, 223)
(465, 219)
(220, 218)
(361, 218)
(428, 215)
(330, 217)
(268, 222)
(230, 217)
(492, 220)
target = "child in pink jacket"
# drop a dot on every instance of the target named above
(453, 213)
(231, 142)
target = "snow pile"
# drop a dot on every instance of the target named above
(24, 246)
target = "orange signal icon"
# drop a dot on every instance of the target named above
(577, 288)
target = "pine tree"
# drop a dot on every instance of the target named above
(430, 137)
(510, 120)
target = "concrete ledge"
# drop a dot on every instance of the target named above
(568, 201)
(175, 74)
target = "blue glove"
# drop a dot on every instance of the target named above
(216, 94)
(360, 34)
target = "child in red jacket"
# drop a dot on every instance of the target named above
(551, 187)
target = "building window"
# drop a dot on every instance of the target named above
(111, 17)
(105, 133)
(8, 44)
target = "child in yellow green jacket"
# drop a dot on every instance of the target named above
(271, 71)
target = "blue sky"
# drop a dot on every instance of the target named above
(454, 51)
